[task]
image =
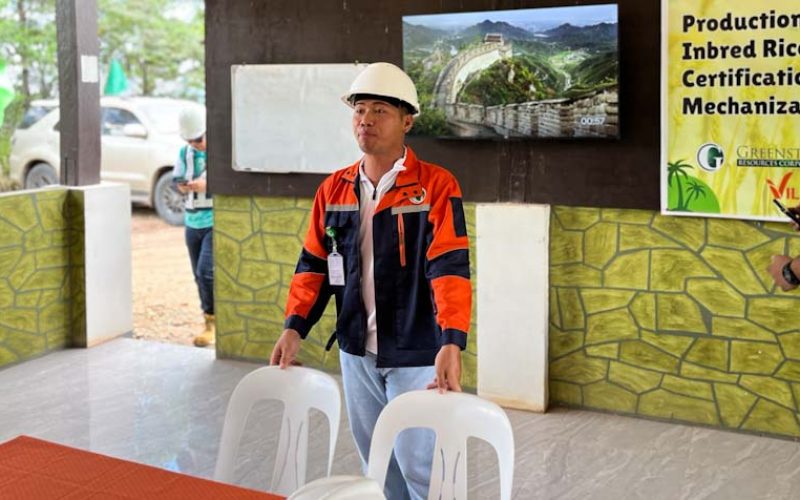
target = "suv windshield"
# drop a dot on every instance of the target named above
(163, 115)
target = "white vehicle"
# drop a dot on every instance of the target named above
(139, 146)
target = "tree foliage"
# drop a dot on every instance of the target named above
(158, 42)
(160, 52)
(431, 121)
(28, 42)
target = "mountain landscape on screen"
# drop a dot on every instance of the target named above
(514, 74)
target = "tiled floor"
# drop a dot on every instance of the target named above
(163, 405)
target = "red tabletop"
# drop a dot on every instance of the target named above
(34, 469)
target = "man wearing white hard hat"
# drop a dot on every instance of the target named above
(189, 176)
(387, 238)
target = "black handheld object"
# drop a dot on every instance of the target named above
(792, 215)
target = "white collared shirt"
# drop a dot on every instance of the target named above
(370, 197)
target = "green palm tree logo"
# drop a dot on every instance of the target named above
(676, 170)
(695, 190)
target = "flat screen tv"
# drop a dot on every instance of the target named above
(514, 74)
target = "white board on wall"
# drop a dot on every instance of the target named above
(290, 117)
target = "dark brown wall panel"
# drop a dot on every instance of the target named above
(621, 173)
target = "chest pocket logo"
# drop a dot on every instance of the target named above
(417, 200)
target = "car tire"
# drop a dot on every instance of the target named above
(167, 201)
(41, 175)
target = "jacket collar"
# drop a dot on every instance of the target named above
(410, 175)
(405, 186)
(406, 178)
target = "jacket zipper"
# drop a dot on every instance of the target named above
(401, 236)
(363, 338)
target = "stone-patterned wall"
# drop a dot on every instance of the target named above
(664, 317)
(35, 296)
(256, 244)
(674, 318)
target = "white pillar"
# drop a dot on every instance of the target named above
(512, 267)
(107, 261)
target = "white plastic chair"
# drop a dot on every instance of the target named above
(340, 488)
(300, 389)
(454, 417)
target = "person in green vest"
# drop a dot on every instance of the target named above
(189, 176)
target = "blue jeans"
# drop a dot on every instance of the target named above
(200, 244)
(367, 389)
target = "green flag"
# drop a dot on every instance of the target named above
(117, 82)
(6, 90)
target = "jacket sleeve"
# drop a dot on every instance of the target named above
(447, 260)
(309, 291)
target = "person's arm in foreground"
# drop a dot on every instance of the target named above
(285, 351)
(309, 291)
(448, 272)
(784, 270)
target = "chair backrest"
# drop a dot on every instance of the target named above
(454, 417)
(300, 389)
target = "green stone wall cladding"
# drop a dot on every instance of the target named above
(35, 297)
(674, 318)
(667, 317)
(256, 244)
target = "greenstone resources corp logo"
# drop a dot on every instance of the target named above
(710, 157)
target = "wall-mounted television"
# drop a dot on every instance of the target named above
(513, 74)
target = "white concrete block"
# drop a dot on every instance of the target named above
(107, 244)
(512, 267)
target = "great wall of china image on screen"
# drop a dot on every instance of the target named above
(549, 72)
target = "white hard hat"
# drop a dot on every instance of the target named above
(192, 122)
(384, 80)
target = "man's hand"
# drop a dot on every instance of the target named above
(775, 268)
(182, 187)
(796, 211)
(448, 369)
(197, 185)
(285, 349)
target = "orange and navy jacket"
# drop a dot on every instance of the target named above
(423, 296)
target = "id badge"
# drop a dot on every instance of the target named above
(335, 269)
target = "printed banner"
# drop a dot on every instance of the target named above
(730, 107)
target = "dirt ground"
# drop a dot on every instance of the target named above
(166, 306)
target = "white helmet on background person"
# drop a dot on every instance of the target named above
(192, 122)
(387, 82)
